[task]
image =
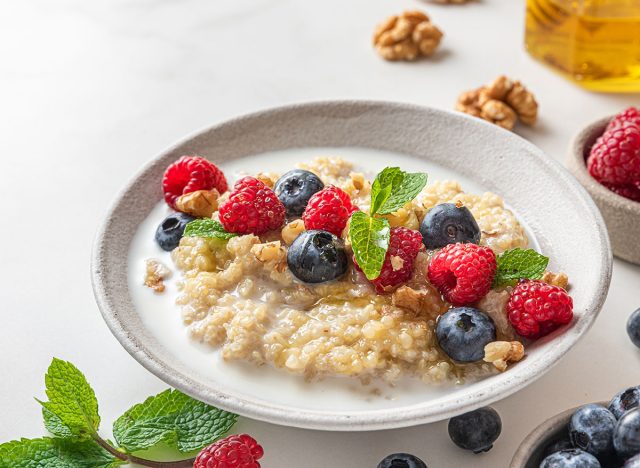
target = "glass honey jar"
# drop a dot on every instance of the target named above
(595, 43)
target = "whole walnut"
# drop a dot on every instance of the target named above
(407, 36)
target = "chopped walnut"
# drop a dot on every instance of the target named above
(502, 102)
(269, 252)
(407, 36)
(155, 274)
(396, 262)
(499, 353)
(423, 301)
(556, 279)
(268, 178)
(201, 203)
(292, 230)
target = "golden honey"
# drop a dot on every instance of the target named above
(595, 43)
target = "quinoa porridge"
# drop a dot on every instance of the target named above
(240, 296)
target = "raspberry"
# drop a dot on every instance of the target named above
(615, 156)
(328, 210)
(463, 273)
(252, 208)
(630, 115)
(397, 268)
(188, 174)
(536, 308)
(632, 192)
(236, 451)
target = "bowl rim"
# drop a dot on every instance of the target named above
(577, 150)
(360, 420)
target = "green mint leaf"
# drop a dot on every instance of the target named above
(55, 453)
(207, 228)
(72, 409)
(410, 186)
(370, 241)
(516, 264)
(173, 418)
(383, 186)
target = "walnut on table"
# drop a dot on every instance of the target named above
(502, 102)
(500, 353)
(406, 36)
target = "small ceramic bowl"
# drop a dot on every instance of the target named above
(532, 449)
(621, 215)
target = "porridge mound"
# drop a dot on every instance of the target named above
(240, 296)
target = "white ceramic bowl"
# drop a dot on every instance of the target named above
(566, 224)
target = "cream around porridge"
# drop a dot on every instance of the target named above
(239, 294)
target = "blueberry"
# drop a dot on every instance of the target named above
(633, 462)
(448, 223)
(170, 230)
(625, 401)
(633, 327)
(295, 188)
(558, 445)
(402, 460)
(591, 429)
(463, 332)
(476, 430)
(573, 458)
(626, 437)
(317, 256)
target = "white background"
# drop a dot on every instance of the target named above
(90, 90)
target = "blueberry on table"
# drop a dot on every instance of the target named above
(402, 460)
(448, 223)
(463, 332)
(317, 256)
(626, 437)
(170, 230)
(295, 188)
(591, 429)
(624, 401)
(633, 328)
(476, 430)
(572, 458)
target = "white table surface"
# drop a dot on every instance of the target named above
(90, 90)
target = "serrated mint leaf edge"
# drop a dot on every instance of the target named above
(370, 264)
(411, 185)
(532, 270)
(208, 228)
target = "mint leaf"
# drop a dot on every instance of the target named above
(516, 264)
(370, 241)
(207, 228)
(383, 185)
(410, 186)
(72, 409)
(173, 418)
(55, 453)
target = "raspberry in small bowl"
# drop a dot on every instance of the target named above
(605, 158)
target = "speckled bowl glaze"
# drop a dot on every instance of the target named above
(532, 449)
(539, 189)
(621, 215)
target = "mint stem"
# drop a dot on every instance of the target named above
(141, 461)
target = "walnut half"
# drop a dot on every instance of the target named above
(406, 36)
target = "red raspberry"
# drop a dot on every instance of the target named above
(405, 245)
(463, 273)
(328, 210)
(630, 115)
(236, 451)
(536, 308)
(191, 173)
(252, 208)
(615, 156)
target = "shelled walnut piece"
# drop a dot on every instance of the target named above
(500, 353)
(502, 102)
(407, 36)
(201, 203)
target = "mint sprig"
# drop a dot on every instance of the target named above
(209, 228)
(517, 264)
(369, 233)
(71, 416)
